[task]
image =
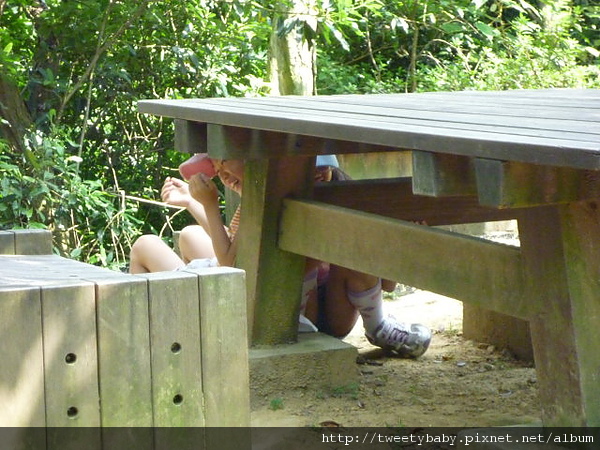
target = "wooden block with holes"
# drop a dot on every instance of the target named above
(124, 352)
(176, 350)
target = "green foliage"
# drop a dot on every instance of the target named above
(276, 404)
(397, 46)
(44, 190)
(78, 69)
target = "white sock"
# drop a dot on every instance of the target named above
(370, 306)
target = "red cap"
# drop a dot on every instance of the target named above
(199, 163)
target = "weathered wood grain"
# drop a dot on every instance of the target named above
(223, 328)
(561, 258)
(471, 269)
(393, 198)
(554, 127)
(176, 350)
(273, 302)
(22, 370)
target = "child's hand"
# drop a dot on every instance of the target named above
(176, 192)
(204, 190)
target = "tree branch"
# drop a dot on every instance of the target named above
(100, 50)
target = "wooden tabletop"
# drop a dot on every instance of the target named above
(558, 127)
(534, 154)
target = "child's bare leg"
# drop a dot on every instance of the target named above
(195, 243)
(340, 314)
(388, 285)
(150, 254)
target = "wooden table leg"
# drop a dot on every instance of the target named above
(561, 251)
(273, 276)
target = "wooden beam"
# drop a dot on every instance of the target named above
(190, 137)
(562, 263)
(440, 175)
(464, 267)
(393, 198)
(510, 184)
(274, 293)
(227, 142)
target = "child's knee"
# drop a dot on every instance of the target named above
(145, 242)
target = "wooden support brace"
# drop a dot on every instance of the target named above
(274, 293)
(393, 198)
(440, 175)
(472, 269)
(510, 184)
(190, 137)
(228, 142)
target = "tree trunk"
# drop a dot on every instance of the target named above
(292, 54)
(14, 116)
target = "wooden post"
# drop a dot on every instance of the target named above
(25, 242)
(223, 333)
(274, 277)
(176, 353)
(562, 261)
(124, 359)
(22, 367)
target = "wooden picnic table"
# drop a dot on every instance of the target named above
(532, 155)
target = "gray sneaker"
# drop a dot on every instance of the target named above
(408, 340)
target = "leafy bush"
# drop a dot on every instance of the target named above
(45, 190)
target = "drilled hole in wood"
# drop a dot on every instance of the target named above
(178, 399)
(176, 347)
(72, 412)
(70, 358)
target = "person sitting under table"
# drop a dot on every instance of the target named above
(332, 296)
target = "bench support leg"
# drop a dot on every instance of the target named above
(562, 263)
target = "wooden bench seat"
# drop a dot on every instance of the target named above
(91, 347)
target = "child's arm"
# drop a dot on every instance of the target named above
(204, 191)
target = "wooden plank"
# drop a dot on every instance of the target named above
(474, 270)
(70, 357)
(439, 175)
(223, 327)
(394, 198)
(396, 110)
(33, 242)
(37, 270)
(274, 293)
(71, 365)
(7, 243)
(124, 354)
(393, 110)
(176, 351)
(22, 368)
(372, 165)
(190, 137)
(394, 127)
(509, 184)
(226, 142)
(562, 261)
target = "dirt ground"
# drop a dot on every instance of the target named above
(457, 383)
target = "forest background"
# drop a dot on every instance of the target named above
(77, 158)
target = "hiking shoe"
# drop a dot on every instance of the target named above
(408, 340)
